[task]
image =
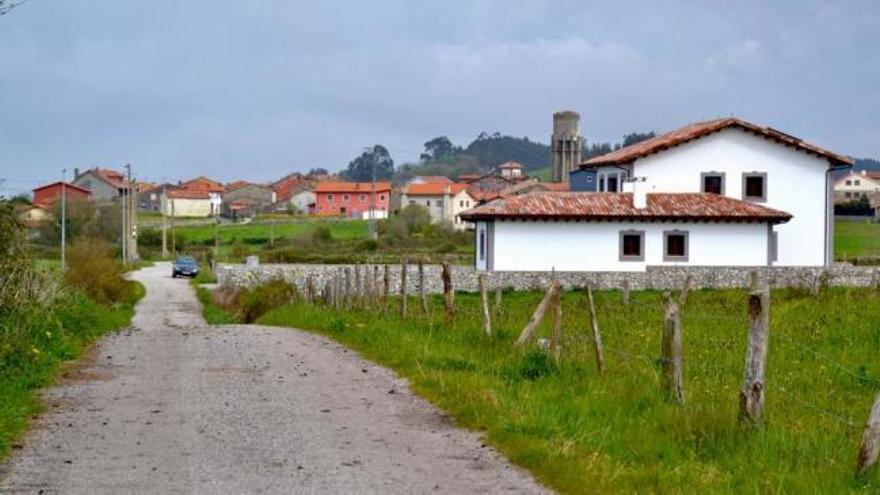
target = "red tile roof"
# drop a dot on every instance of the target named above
(237, 185)
(350, 187)
(428, 179)
(67, 185)
(619, 206)
(510, 165)
(434, 189)
(187, 194)
(203, 184)
(702, 129)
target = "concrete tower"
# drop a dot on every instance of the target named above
(566, 145)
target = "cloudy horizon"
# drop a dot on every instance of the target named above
(256, 90)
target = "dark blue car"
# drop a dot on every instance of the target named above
(185, 267)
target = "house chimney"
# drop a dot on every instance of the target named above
(639, 192)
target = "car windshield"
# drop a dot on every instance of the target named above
(186, 261)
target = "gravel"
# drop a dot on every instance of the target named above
(175, 406)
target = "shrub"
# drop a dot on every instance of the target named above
(92, 269)
(322, 235)
(254, 303)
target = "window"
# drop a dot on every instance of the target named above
(345, 198)
(461, 204)
(755, 186)
(329, 197)
(482, 245)
(849, 182)
(601, 184)
(773, 248)
(848, 195)
(712, 182)
(858, 182)
(381, 197)
(363, 198)
(632, 245)
(612, 183)
(675, 245)
(427, 202)
(439, 202)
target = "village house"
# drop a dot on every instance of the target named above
(716, 193)
(353, 199)
(104, 184)
(303, 200)
(214, 189)
(249, 199)
(46, 196)
(854, 185)
(182, 203)
(33, 215)
(443, 201)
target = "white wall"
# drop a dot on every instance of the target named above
(594, 246)
(181, 207)
(795, 184)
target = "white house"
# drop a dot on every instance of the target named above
(745, 161)
(182, 203)
(856, 184)
(583, 231)
(303, 200)
(443, 201)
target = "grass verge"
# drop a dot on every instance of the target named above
(36, 344)
(577, 431)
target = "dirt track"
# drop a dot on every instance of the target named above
(173, 405)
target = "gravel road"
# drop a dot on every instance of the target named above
(175, 406)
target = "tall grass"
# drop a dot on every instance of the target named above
(580, 432)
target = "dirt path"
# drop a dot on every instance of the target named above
(176, 406)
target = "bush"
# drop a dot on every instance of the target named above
(92, 269)
(254, 303)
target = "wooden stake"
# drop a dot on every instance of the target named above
(376, 293)
(484, 294)
(752, 394)
(537, 316)
(626, 295)
(597, 336)
(356, 293)
(671, 363)
(556, 327)
(348, 289)
(386, 286)
(683, 296)
(448, 292)
(403, 289)
(423, 298)
(870, 445)
(498, 295)
(755, 282)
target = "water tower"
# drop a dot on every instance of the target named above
(566, 145)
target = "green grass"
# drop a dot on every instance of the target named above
(580, 432)
(856, 238)
(35, 345)
(261, 231)
(542, 174)
(213, 314)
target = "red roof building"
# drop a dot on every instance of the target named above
(351, 199)
(46, 196)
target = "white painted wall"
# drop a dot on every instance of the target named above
(795, 184)
(182, 207)
(594, 246)
(858, 183)
(301, 200)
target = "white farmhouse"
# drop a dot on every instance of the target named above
(742, 160)
(720, 193)
(443, 201)
(854, 185)
(181, 203)
(584, 231)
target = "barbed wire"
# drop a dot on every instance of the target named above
(819, 409)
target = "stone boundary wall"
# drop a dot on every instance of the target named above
(464, 278)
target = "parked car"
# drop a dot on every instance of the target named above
(185, 267)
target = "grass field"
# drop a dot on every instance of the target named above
(260, 232)
(581, 432)
(856, 238)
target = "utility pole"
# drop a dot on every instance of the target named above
(131, 233)
(163, 204)
(124, 235)
(374, 232)
(63, 219)
(173, 233)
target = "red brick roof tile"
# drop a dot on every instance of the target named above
(619, 206)
(350, 187)
(702, 129)
(433, 189)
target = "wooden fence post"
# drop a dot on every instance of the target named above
(537, 316)
(870, 445)
(597, 335)
(626, 295)
(310, 290)
(683, 295)
(484, 295)
(556, 327)
(348, 289)
(386, 286)
(671, 362)
(752, 394)
(498, 296)
(403, 288)
(376, 292)
(357, 285)
(448, 291)
(754, 280)
(423, 298)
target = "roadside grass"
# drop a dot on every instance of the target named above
(577, 431)
(856, 238)
(213, 313)
(34, 345)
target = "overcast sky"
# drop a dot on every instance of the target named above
(257, 89)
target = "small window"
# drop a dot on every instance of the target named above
(345, 198)
(427, 202)
(482, 245)
(713, 182)
(848, 195)
(858, 182)
(632, 245)
(755, 186)
(589, 179)
(363, 198)
(612, 183)
(439, 202)
(461, 204)
(329, 197)
(602, 184)
(381, 197)
(849, 182)
(675, 245)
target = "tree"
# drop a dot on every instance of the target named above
(361, 168)
(636, 137)
(439, 149)
(318, 171)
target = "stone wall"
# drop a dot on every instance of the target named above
(465, 277)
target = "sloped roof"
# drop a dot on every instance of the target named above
(350, 187)
(434, 189)
(510, 165)
(429, 179)
(67, 185)
(701, 129)
(203, 183)
(188, 194)
(619, 206)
